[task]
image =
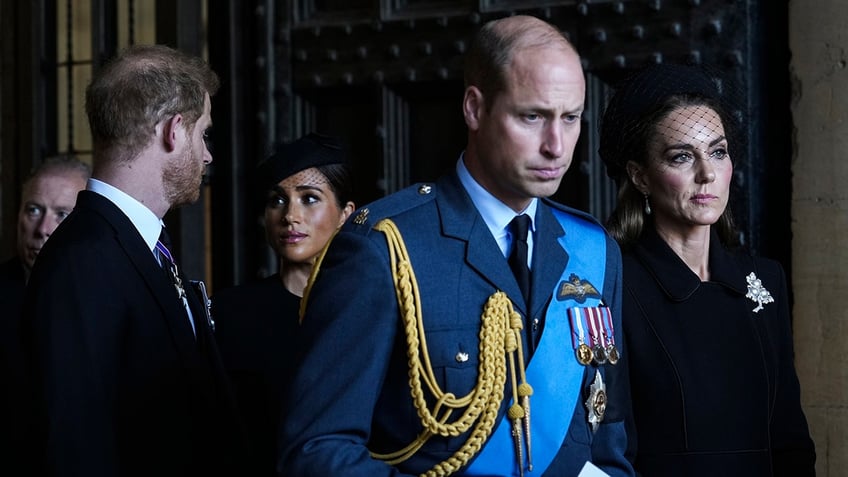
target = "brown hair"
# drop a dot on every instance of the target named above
(139, 88)
(628, 220)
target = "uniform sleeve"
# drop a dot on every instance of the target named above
(345, 347)
(610, 442)
(793, 452)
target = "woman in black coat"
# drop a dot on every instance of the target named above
(307, 186)
(707, 328)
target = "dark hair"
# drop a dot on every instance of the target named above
(339, 177)
(493, 48)
(139, 88)
(629, 125)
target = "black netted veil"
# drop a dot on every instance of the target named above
(666, 105)
(637, 96)
(311, 150)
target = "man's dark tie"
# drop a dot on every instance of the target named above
(518, 255)
(164, 238)
(166, 260)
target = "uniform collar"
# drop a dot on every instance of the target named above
(673, 275)
(494, 212)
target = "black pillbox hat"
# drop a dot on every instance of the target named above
(311, 150)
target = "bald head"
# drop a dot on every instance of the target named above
(497, 43)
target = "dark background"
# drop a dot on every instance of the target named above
(386, 76)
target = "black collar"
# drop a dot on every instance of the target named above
(673, 275)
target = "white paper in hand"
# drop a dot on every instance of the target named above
(591, 470)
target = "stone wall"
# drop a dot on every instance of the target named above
(818, 39)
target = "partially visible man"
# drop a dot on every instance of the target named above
(47, 197)
(127, 377)
(451, 327)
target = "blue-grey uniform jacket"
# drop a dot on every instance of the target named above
(351, 393)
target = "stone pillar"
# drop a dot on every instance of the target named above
(818, 42)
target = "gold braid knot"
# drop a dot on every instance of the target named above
(500, 336)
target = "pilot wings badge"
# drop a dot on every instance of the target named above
(577, 289)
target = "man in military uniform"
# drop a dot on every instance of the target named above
(468, 327)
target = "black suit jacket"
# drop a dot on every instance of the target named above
(12, 283)
(13, 425)
(122, 386)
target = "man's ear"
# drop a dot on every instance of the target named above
(636, 173)
(473, 105)
(170, 131)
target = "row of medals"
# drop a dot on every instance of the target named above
(598, 353)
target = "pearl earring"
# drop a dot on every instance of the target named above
(647, 205)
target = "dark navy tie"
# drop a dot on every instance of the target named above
(519, 227)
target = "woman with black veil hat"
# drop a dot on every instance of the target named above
(706, 327)
(307, 188)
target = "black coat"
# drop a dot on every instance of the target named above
(256, 327)
(714, 385)
(12, 388)
(122, 387)
(12, 283)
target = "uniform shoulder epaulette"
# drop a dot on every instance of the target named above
(366, 217)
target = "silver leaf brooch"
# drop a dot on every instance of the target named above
(757, 292)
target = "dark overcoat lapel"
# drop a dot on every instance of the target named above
(145, 263)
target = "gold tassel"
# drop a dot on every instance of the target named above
(525, 391)
(516, 414)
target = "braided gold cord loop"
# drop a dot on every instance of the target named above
(499, 338)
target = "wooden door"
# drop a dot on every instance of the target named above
(386, 75)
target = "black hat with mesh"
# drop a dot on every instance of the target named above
(311, 150)
(638, 96)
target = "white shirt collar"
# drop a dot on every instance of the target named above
(142, 218)
(495, 213)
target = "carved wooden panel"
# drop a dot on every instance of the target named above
(387, 77)
(413, 49)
